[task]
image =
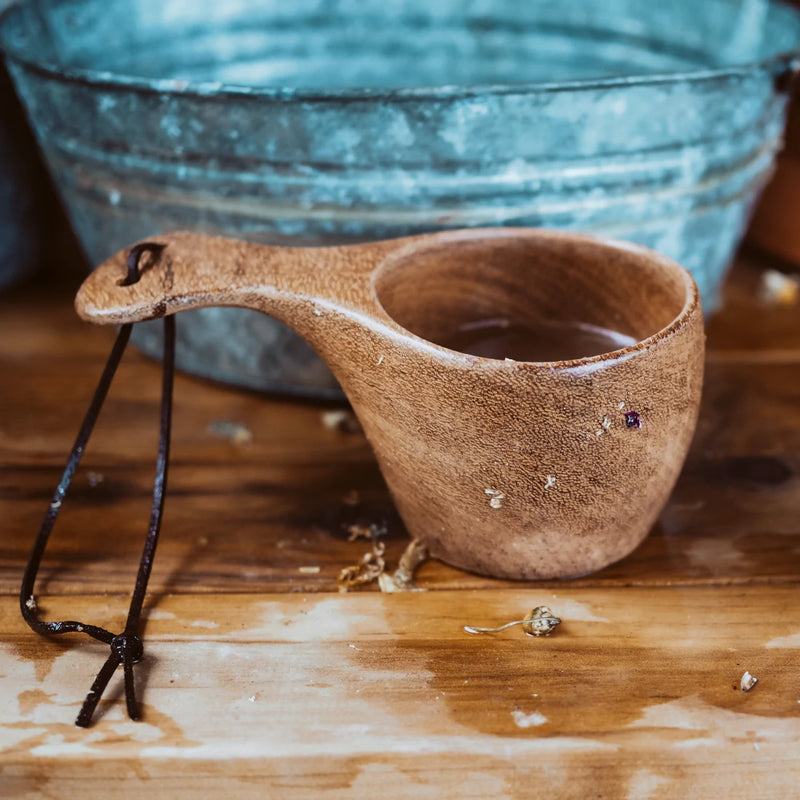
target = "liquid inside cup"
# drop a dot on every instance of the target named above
(538, 340)
(533, 297)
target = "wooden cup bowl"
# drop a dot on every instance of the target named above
(519, 469)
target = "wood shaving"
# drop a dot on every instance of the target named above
(368, 569)
(30, 603)
(402, 579)
(309, 570)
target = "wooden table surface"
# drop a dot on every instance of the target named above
(262, 679)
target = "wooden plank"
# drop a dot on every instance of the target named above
(362, 695)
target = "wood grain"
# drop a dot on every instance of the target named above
(636, 686)
(367, 695)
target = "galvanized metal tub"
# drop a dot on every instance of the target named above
(343, 120)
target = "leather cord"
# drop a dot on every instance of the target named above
(126, 647)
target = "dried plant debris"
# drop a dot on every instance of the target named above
(372, 567)
(236, 432)
(342, 420)
(95, 478)
(402, 579)
(368, 569)
(779, 289)
(371, 531)
(361, 516)
(605, 426)
(633, 419)
(748, 682)
(370, 525)
(539, 622)
(352, 498)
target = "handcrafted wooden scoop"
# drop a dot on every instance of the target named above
(553, 464)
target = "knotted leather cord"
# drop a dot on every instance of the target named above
(126, 647)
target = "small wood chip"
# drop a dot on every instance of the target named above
(309, 570)
(748, 682)
(235, 432)
(495, 497)
(779, 289)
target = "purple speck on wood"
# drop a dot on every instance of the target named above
(632, 419)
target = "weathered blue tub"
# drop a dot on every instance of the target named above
(339, 120)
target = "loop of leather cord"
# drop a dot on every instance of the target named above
(126, 647)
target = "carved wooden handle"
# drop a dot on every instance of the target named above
(193, 270)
